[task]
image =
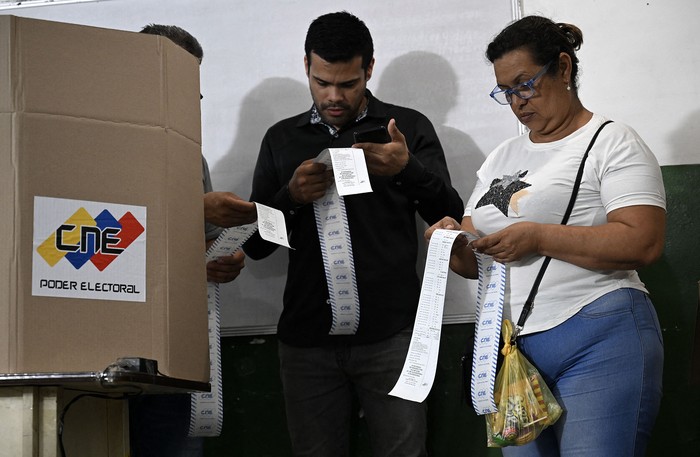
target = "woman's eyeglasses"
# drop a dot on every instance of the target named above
(523, 91)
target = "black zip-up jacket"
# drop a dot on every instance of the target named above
(382, 225)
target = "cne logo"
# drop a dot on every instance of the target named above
(82, 238)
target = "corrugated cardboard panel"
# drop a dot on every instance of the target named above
(90, 160)
(110, 76)
(185, 257)
(8, 254)
(8, 272)
(111, 117)
(182, 104)
(82, 159)
(5, 53)
(87, 72)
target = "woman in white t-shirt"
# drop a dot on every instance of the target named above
(593, 332)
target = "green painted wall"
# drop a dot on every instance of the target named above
(254, 423)
(673, 284)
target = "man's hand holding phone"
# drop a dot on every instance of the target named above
(372, 135)
(386, 158)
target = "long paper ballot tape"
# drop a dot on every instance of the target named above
(418, 373)
(207, 408)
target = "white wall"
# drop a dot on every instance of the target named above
(429, 55)
(638, 66)
(640, 63)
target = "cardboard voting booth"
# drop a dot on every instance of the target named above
(100, 201)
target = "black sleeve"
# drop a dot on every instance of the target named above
(270, 189)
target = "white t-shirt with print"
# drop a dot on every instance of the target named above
(525, 181)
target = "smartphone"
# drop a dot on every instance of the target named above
(373, 135)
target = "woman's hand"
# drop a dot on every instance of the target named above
(462, 259)
(514, 242)
(446, 223)
(633, 237)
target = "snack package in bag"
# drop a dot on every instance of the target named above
(526, 406)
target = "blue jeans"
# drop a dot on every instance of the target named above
(318, 385)
(604, 366)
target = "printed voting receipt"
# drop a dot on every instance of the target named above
(349, 169)
(271, 225)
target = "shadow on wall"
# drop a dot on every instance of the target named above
(270, 101)
(419, 80)
(427, 82)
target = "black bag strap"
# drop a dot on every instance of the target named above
(529, 303)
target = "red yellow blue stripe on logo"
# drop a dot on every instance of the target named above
(83, 238)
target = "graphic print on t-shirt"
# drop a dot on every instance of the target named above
(502, 190)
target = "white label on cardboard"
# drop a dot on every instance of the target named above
(90, 250)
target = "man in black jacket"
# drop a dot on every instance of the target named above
(352, 289)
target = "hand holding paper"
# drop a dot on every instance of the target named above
(446, 223)
(310, 181)
(227, 209)
(349, 170)
(511, 243)
(462, 259)
(226, 268)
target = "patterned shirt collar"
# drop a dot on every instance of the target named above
(316, 118)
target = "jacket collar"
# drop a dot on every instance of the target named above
(374, 109)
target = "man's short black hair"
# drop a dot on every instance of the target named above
(339, 37)
(177, 35)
